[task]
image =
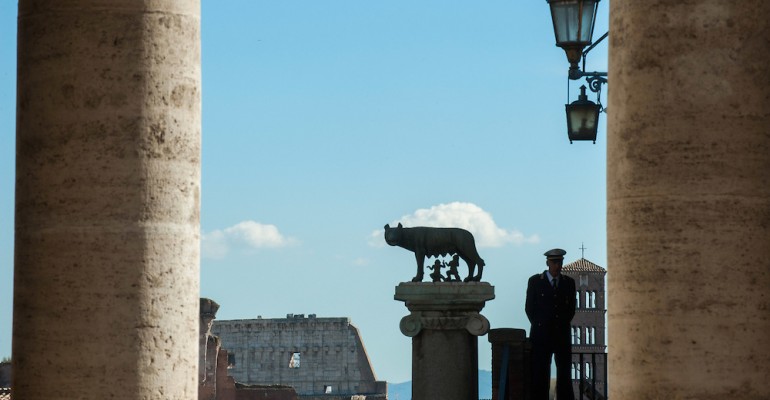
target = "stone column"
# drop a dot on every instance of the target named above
(107, 200)
(688, 200)
(444, 325)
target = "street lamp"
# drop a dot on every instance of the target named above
(573, 27)
(582, 118)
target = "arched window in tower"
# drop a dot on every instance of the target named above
(588, 299)
(577, 299)
(589, 373)
(593, 335)
(580, 335)
(594, 298)
(575, 371)
(574, 335)
(577, 334)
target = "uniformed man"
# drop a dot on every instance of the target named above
(550, 307)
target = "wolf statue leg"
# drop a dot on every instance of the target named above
(420, 266)
(481, 270)
(471, 269)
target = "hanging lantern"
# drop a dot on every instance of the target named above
(582, 118)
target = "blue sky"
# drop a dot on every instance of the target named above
(323, 121)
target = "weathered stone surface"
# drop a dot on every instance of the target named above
(107, 200)
(330, 353)
(688, 197)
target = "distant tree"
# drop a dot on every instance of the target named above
(6, 360)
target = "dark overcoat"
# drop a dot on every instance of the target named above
(550, 311)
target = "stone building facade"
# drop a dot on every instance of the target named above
(322, 357)
(588, 325)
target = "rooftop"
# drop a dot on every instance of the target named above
(583, 265)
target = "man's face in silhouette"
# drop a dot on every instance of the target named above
(554, 266)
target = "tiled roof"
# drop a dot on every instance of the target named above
(583, 265)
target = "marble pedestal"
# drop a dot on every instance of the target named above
(444, 324)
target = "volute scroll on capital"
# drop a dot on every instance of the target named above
(411, 325)
(477, 324)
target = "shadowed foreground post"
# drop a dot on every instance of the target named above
(107, 200)
(511, 364)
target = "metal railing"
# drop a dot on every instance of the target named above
(590, 384)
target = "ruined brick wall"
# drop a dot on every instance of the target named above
(214, 383)
(315, 356)
(208, 351)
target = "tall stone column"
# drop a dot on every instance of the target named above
(107, 200)
(444, 325)
(688, 198)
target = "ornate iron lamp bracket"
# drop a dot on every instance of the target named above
(594, 79)
(595, 82)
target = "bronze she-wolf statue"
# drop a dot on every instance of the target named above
(434, 242)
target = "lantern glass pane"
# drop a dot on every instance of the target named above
(582, 120)
(565, 21)
(587, 25)
(573, 20)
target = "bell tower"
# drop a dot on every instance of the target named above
(589, 357)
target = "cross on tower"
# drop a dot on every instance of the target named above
(582, 250)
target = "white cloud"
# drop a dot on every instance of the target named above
(461, 215)
(361, 262)
(243, 235)
(214, 245)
